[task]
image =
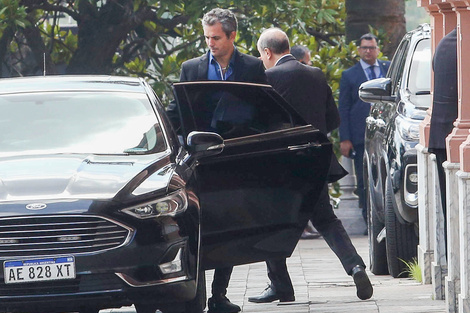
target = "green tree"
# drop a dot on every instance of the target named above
(152, 38)
(387, 16)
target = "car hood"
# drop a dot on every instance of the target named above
(47, 177)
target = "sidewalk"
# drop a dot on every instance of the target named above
(322, 286)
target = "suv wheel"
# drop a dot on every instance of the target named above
(377, 251)
(401, 239)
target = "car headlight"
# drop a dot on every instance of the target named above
(168, 206)
(408, 128)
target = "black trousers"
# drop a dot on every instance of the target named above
(359, 170)
(330, 227)
(221, 280)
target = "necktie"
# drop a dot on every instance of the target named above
(372, 72)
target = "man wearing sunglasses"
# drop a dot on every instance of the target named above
(353, 111)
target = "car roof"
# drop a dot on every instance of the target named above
(61, 83)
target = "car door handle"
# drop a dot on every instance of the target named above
(380, 122)
(370, 120)
(304, 146)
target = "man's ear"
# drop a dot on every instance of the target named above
(232, 36)
(269, 53)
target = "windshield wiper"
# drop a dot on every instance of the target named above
(136, 151)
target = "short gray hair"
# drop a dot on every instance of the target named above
(222, 16)
(275, 40)
(299, 51)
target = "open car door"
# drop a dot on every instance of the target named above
(257, 195)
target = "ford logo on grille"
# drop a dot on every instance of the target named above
(36, 206)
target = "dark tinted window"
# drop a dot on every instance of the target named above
(398, 64)
(231, 110)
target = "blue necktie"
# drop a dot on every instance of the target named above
(372, 72)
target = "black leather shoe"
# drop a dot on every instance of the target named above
(310, 235)
(222, 305)
(364, 288)
(269, 295)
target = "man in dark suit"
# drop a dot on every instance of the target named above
(302, 54)
(222, 62)
(354, 111)
(444, 105)
(305, 88)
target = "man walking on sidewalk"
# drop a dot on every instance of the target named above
(306, 89)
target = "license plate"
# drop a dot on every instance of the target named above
(24, 271)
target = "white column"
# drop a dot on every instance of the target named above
(425, 215)
(348, 183)
(439, 264)
(464, 217)
(452, 284)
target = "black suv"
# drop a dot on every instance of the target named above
(398, 105)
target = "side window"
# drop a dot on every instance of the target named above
(398, 64)
(231, 110)
(419, 77)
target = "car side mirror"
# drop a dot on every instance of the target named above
(203, 144)
(379, 89)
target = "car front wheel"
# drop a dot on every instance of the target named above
(377, 250)
(401, 239)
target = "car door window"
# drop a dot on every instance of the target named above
(233, 110)
(256, 195)
(419, 78)
(398, 64)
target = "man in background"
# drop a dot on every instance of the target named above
(302, 54)
(445, 107)
(353, 111)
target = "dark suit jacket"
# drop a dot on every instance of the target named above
(445, 96)
(305, 88)
(352, 109)
(247, 69)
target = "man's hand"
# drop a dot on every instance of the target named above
(345, 147)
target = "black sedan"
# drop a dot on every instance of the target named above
(103, 203)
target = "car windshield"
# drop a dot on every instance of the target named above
(78, 122)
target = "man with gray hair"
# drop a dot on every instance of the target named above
(222, 62)
(305, 88)
(302, 54)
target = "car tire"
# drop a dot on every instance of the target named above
(198, 304)
(401, 239)
(377, 251)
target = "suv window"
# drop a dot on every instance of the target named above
(419, 79)
(397, 65)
